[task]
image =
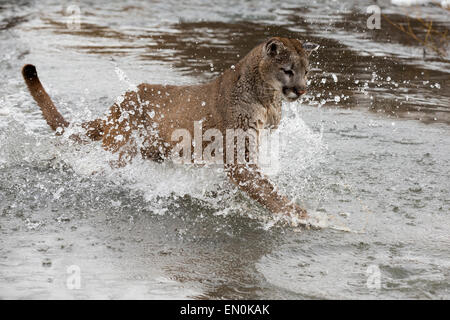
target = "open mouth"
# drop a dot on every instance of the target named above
(291, 98)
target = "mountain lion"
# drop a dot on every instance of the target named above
(247, 96)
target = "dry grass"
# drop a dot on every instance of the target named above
(431, 38)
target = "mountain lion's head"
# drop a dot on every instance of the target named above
(284, 65)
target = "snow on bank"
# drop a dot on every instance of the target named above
(407, 3)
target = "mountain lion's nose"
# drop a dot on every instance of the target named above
(299, 91)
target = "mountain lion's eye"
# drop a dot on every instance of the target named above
(306, 72)
(290, 73)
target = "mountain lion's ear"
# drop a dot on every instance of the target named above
(273, 47)
(310, 47)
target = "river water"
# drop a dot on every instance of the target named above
(367, 150)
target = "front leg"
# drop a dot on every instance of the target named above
(249, 178)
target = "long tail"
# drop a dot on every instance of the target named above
(94, 129)
(54, 119)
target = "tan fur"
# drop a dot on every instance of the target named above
(54, 119)
(248, 96)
